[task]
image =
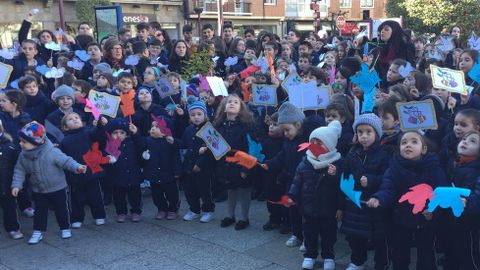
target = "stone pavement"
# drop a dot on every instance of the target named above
(153, 244)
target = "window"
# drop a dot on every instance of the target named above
(345, 3)
(366, 3)
(270, 2)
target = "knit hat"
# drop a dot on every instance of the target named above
(193, 103)
(33, 133)
(103, 68)
(139, 47)
(63, 90)
(118, 123)
(328, 135)
(289, 114)
(369, 119)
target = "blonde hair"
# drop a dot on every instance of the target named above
(64, 119)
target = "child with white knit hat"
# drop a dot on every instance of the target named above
(316, 189)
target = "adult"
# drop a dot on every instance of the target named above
(455, 32)
(142, 32)
(249, 34)
(124, 34)
(393, 43)
(228, 34)
(179, 55)
(166, 43)
(208, 32)
(114, 53)
(187, 31)
(84, 28)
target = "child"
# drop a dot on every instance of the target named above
(105, 83)
(304, 63)
(95, 57)
(64, 97)
(28, 57)
(286, 161)
(468, 58)
(463, 171)
(140, 50)
(144, 111)
(366, 162)
(81, 88)
(234, 122)
(393, 75)
(12, 115)
(84, 189)
(125, 174)
(174, 79)
(150, 75)
(38, 106)
(414, 165)
(315, 188)
(341, 85)
(197, 168)
(337, 111)
(390, 125)
(45, 166)
(102, 68)
(8, 157)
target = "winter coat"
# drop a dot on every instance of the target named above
(315, 191)
(235, 133)
(345, 141)
(159, 166)
(372, 163)
(449, 148)
(13, 124)
(19, 63)
(55, 117)
(8, 158)
(192, 144)
(39, 106)
(77, 143)
(126, 171)
(45, 167)
(401, 175)
(143, 118)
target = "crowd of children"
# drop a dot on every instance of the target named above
(56, 155)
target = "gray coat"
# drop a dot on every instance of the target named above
(44, 165)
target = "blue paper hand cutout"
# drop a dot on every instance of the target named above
(255, 149)
(365, 79)
(42, 69)
(365, 49)
(448, 197)
(83, 55)
(347, 186)
(474, 73)
(368, 101)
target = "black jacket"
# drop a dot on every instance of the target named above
(192, 144)
(127, 171)
(8, 158)
(39, 106)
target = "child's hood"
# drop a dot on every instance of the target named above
(38, 151)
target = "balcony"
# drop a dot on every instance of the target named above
(230, 7)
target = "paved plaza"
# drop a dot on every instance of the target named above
(153, 244)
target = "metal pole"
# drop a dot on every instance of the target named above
(62, 16)
(220, 17)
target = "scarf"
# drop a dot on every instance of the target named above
(324, 160)
(461, 160)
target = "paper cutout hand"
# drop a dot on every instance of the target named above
(243, 159)
(347, 186)
(365, 79)
(255, 149)
(315, 148)
(127, 103)
(285, 201)
(94, 158)
(449, 197)
(112, 146)
(418, 196)
(474, 72)
(162, 125)
(89, 105)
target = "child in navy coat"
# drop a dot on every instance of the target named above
(158, 168)
(197, 168)
(125, 174)
(462, 252)
(414, 165)
(38, 105)
(315, 188)
(85, 188)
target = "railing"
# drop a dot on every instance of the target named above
(231, 7)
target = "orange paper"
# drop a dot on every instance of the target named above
(270, 64)
(94, 158)
(127, 106)
(243, 159)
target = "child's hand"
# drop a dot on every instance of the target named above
(146, 155)
(364, 181)
(179, 110)
(339, 215)
(289, 203)
(111, 159)
(373, 203)
(451, 103)
(50, 63)
(133, 129)
(427, 215)
(196, 168)
(103, 121)
(332, 170)
(82, 169)
(243, 175)
(264, 166)
(414, 93)
(15, 192)
(202, 150)
(275, 81)
(169, 139)
(465, 201)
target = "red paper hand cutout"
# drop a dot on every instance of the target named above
(418, 196)
(113, 146)
(315, 148)
(162, 125)
(94, 158)
(284, 200)
(248, 71)
(243, 159)
(127, 103)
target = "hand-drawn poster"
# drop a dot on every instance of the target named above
(417, 115)
(214, 140)
(105, 103)
(264, 94)
(448, 79)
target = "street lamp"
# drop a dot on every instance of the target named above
(198, 10)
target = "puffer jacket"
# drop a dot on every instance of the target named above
(8, 157)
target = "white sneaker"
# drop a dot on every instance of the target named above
(302, 248)
(206, 217)
(35, 238)
(76, 225)
(353, 266)
(328, 264)
(66, 234)
(189, 216)
(100, 221)
(16, 235)
(293, 241)
(308, 263)
(29, 212)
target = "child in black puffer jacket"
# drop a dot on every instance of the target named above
(414, 165)
(367, 163)
(315, 188)
(38, 105)
(462, 232)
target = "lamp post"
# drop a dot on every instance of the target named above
(198, 10)
(62, 16)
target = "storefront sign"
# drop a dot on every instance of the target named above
(138, 18)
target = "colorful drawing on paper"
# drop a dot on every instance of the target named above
(417, 115)
(105, 103)
(264, 94)
(164, 87)
(214, 140)
(448, 79)
(309, 96)
(5, 72)
(291, 80)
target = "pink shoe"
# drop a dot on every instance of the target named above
(135, 217)
(171, 215)
(121, 218)
(161, 215)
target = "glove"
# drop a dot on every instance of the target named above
(112, 159)
(146, 154)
